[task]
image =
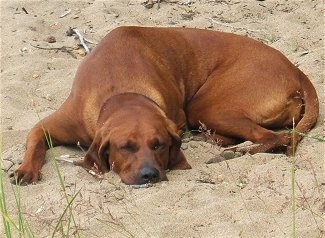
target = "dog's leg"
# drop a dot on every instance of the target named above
(56, 129)
(218, 139)
(232, 127)
(267, 140)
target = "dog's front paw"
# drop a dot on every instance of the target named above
(23, 176)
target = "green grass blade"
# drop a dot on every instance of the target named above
(23, 226)
(293, 181)
(64, 212)
(61, 180)
(3, 206)
(50, 143)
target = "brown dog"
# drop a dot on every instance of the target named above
(139, 88)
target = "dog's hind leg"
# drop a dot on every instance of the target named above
(233, 128)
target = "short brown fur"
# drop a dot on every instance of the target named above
(138, 89)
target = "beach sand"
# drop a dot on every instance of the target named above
(249, 196)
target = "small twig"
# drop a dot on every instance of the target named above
(313, 213)
(24, 9)
(80, 147)
(71, 32)
(62, 48)
(94, 171)
(242, 147)
(64, 158)
(90, 41)
(306, 52)
(66, 13)
(81, 38)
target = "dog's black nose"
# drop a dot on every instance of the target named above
(149, 175)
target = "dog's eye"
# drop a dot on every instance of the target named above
(105, 155)
(157, 146)
(129, 148)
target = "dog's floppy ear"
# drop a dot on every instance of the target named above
(177, 159)
(96, 157)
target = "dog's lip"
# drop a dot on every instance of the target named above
(163, 177)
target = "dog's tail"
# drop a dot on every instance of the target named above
(311, 110)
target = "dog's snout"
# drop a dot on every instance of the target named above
(149, 175)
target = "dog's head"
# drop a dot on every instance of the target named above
(139, 145)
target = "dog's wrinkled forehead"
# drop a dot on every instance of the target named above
(136, 132)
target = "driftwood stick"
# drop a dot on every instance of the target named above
(64, 158)
(90, 41)
(62, 48)
(81, 38)
(66, 13)
(242, 147)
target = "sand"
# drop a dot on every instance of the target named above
(249, 196)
